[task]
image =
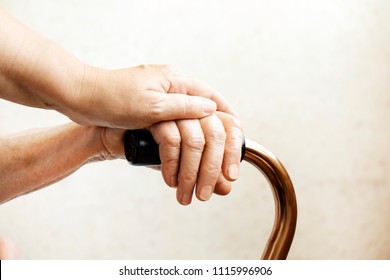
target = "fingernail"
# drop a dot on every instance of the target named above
(233, 171)
(205, 192)
(209, 106)
(186, 198)
(173, 182)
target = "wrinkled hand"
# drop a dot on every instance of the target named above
(141, 96)
(204, 153)
(201, 155)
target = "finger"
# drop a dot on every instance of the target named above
(192, 146)
(180, 106)
(212, 157)
(232, 154)
(167, 135)
(223, 186)
(191, 86)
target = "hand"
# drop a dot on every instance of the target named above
(204, 152)
(137, 97)
(44, 75)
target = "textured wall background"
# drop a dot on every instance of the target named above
(311, 81)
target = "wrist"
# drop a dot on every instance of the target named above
(111, 143)
(85, 95)
(85, 141)
(102, 143)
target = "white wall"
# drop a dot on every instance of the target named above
(311, 81)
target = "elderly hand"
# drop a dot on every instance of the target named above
(36, 72)
(141, 96)
(204, 153)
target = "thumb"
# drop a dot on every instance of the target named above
(182, 106)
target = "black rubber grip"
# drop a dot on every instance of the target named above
(142, 150)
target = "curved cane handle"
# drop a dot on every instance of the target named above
(141, 149)
(282, 234)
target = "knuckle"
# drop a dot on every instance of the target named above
(214, 129)
(168, 168)
(234, 122)
(170, 164)
(188, 177)
(212, 168)
(170, 159)
(217, 134)
(143, 66)
(195, 142)
(156, 109)
(172, 140)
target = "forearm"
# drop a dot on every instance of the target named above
(32, 160)
(35, 71)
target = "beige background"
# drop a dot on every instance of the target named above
(310, 80)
